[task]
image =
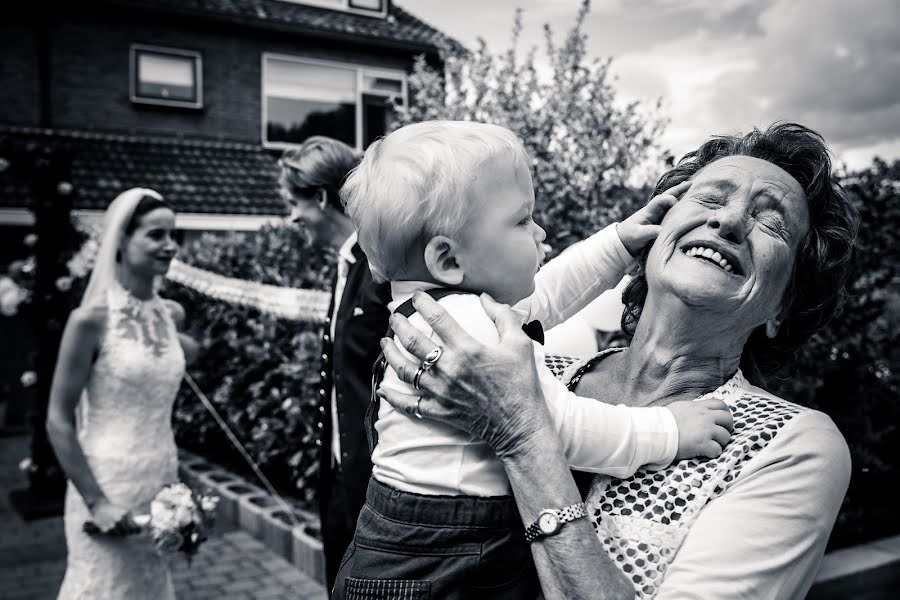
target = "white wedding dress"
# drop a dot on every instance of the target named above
(125, 431)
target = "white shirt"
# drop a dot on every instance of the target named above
(345, 259)
(424, 456)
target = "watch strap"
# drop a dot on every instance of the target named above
(564, 515)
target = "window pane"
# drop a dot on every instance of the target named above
(166, 77)
(303, 100)
(373, 83)
(289, 79)
(378, 114)
(367, 4)
(293, 121)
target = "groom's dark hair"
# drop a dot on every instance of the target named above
(818, 286)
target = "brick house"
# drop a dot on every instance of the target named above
(196, 98)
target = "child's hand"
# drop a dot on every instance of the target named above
(642, 227)
(704, 427)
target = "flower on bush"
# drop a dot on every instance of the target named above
(28, 379)
(11, 296)
(64, 283)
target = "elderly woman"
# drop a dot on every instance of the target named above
(752, 259)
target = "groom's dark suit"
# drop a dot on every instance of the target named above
(360, 321)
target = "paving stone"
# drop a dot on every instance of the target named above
(232, 565)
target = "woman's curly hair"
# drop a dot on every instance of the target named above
(822, 269)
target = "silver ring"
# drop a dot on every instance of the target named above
(432, 357)
(417, 413)
(418, 375)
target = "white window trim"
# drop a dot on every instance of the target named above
(345, 7)
(196, 221)
(361, 70)
(198, 68)
(23, 217)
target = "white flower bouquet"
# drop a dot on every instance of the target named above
(179, 519)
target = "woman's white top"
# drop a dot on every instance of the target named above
(752, 523)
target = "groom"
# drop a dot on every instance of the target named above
(357, 318)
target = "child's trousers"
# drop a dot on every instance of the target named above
(415, 547)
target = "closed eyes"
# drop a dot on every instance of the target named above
(709, 199)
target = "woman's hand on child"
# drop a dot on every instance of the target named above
(642, 227)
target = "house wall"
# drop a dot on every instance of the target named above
(19, 86)
(91, 70)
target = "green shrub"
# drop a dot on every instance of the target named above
(259, 371)
(851, 369)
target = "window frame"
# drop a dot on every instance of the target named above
(361, 72)
(346, 6)
(197, 57)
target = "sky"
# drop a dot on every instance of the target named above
(725, 66)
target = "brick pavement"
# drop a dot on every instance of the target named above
(231, 565)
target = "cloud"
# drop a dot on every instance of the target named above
(725, 66)
(833, 66)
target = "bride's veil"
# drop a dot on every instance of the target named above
(103, 275)
(115, 221)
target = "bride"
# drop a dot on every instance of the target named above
(119, 368)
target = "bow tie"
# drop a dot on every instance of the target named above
(535, 331)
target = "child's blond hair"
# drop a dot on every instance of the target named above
(415, 183)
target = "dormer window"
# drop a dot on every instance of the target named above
(372, 8)
(166, 76)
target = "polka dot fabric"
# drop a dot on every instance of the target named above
(642, 521)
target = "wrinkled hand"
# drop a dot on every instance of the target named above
(704, 427)
(491, 392)
(110, 519)
(642, 227)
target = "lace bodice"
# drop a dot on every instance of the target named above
(125, 432)
(642, 521)
(127, 410)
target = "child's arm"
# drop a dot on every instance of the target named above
(576, 277)
(618, 440)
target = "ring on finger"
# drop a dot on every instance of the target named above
(418, 375)
(432, 357)
(417, 413)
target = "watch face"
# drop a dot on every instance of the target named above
(548, 522)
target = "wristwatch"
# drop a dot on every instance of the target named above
(550, 520)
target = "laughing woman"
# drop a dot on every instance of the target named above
(748, 264)
(110, 418)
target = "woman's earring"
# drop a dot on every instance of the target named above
(772, 328)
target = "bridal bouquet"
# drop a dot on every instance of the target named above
(179, 519)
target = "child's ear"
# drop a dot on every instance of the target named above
(441, 262)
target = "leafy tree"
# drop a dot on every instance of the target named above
(584, 141)
(851, 369)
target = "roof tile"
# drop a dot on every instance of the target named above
(399, 27)
(194, 175)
